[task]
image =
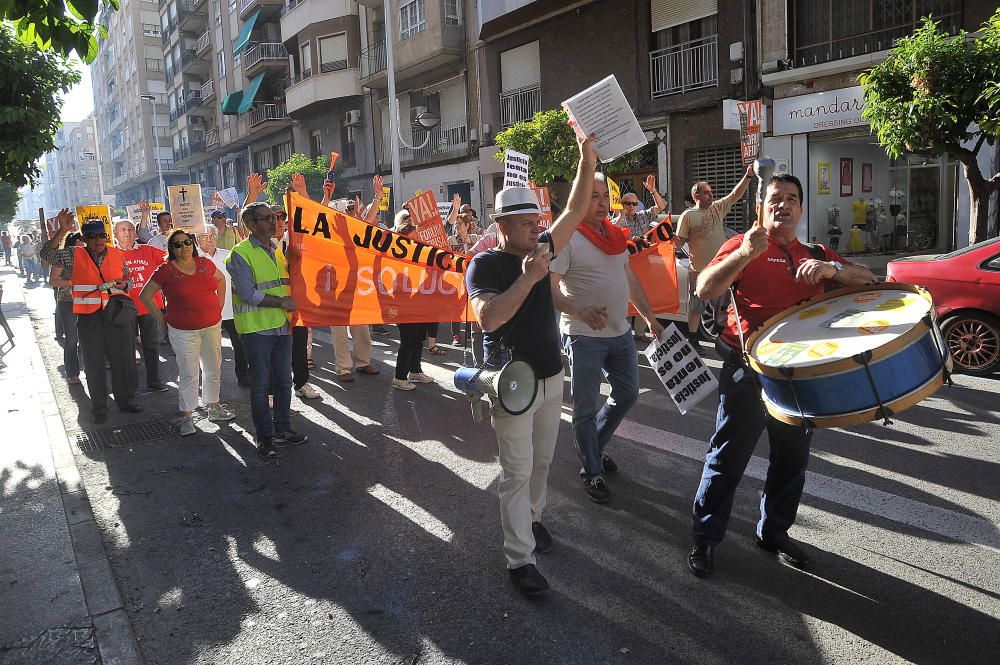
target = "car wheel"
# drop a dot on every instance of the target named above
(710, 328)
(973, 338)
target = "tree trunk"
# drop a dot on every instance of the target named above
(980, 191)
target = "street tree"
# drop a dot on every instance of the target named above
(63, 26)
(9, 198)
(313, 170)
(940, 94)
(31, 83)
(550, 144)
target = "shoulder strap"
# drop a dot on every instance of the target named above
(818, 251)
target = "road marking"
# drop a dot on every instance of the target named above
(412, 512)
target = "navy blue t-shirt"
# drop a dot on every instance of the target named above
(532, 334)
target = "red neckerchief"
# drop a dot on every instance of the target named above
(611, 242)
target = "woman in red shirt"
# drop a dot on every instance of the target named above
(196, 291)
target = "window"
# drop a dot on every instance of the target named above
(347, 150)
(452, 12)
(315, 143)
(282, 152)
(333, 53)
(412, 18)
(150, 30)
(723, 167)
(222, 64)
(306, 60)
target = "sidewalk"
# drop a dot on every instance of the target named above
(59, 603)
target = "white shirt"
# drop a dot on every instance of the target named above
(159, 241)
(591, 277)
(219, 259)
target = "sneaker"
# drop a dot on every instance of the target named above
(402, 384)
(609, 464)
(157, 387)
(265, 448)
(420, 377)
(187, 427)
(543, 540)
(528, 580)
(597, 489)
(220, 413)
(307, 392)
(289, 438)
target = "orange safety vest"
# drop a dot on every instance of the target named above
(88, 297)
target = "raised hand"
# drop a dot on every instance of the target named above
(754, 241)
(328, 188)
(67, 221)
(586, 145)
(456, 201)
(536, 264)
(144, 206)
(650, 183)
(298, 185)
(378, 182)
(255, 185)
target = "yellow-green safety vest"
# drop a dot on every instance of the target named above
(270, 277)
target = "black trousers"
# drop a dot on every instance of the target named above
(300, 355)
(239, 354)
(411, 337)
(117, 343)
(149, 335)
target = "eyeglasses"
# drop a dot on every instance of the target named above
(630, 204)
(182, 243)
(280, 215)
(95, 236)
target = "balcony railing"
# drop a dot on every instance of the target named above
(298, 78)
(189, 57)
(373, 60)
(168, 74)
(292, 4)
(683, 67)
(212, 138)
(266, 112)
(441, 142)
(192, 100)
(175, 113)
(120, 179)
(203, 42)
(208, 90)
(519, 105)
(264, 51)
(117, 151)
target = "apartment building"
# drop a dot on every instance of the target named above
(677, 62)
(129, 66)
(56, 197)
(811, 54)
(433, 44)
(73, 172)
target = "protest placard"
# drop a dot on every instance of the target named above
(615, 194)
(603, 110)
(186, 208)
(680, 369)
(102, 213)
(545, 204)
(749, 113)
(427, 219)
(230, 197)
(384, 203)
(515, 169)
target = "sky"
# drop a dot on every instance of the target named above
(79, 101)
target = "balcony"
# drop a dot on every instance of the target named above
(119, 180)
(175, 113)
(300, 14)
(167, 30)
(117, 151)
(689, 66)
(211, 139)
(204, 43)
(519, 105)
(268, 8)
(168, 74)
(208, 91)
(191, 63)
(263, 116)
(189, 152)
(266, 54)
(439, 46)
(190, 17)
(442, 142)
(373, 60)
(195, 104)
(305, 91)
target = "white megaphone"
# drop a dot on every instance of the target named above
(764, 168)
(514, 386)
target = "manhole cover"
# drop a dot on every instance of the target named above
(102, 439)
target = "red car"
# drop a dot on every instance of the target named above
(965, 285)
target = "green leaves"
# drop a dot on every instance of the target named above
(65, 26)
(314, 172)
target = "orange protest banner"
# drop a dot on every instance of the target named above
(542, 194)
(346, 272)
(424, 211)
(653, 260)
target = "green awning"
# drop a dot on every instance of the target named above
(250, 92)
(231, 103)
(243, 38)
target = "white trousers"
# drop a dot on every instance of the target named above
(526, 443)
(362, 337)
(198, 350)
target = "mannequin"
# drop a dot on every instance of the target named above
(833, 226)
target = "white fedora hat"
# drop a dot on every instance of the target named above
(516, 201)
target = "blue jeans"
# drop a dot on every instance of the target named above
(591, 359)
(740, 420)
(270, 359)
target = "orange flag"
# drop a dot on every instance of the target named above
(653, 260)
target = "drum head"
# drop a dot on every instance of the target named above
(839, 325)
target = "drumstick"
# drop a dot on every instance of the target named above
(764, 168)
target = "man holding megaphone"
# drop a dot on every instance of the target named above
(509, 290)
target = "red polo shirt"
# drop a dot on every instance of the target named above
(767, 285)
(142, 261)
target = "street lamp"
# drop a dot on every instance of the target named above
(156, 140)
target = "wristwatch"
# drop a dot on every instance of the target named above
(839, 266)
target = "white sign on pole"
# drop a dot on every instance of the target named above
(681, 370)
(186, 209)
(603, 110)
(515, 169)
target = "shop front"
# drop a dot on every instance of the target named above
(858, 200)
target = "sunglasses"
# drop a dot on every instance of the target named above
(280, 215)
(95, 236)
(182, 243)
(630, 204)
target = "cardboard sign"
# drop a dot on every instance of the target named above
(615, 193)
(750, 113)
(542, 194)
(515, 169)
(444, 209)
(103, 213)
(427, 219)
(135, 214)
(229, 196)
(384, 203)
(186, 208)
(681, 370)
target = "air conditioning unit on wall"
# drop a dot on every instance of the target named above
(352, 118)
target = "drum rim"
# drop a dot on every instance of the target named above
(844, 364)
(897, 406)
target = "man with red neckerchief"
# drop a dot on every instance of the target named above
(770, 271)
(592, 285)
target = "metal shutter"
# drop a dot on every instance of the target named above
(519, 68)
(333, 53)
(722, 168)
(452, 100)
(665, 14)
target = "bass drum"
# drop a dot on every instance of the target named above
(850, 356)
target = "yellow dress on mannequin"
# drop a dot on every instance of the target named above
(856, 243)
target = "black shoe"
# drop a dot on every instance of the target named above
(100, 417)
(157, 388)
(597, 489)
(791, 553)
(701, 561)
(609, 464)
(289, 438)
(528, 580)
(543, 540)
(130, 407)
(265, 449)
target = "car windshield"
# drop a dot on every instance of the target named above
(966, 250)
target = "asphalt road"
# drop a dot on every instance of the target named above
(379, 541)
